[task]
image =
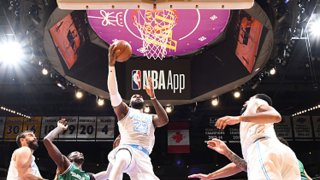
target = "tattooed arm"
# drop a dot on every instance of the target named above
(241, 163)
(222, 148)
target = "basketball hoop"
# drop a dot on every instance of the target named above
(155, 27)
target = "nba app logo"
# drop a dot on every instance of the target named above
(136, 79)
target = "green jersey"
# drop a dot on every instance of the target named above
(301, 168)
(73, 173)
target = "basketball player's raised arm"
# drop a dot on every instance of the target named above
(120, 108)
(60, 160)
(264, 114)
(23, 158)
(161, 119)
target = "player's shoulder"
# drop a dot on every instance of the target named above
(23, 150)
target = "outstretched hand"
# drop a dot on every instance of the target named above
(199, 176)
(149, 88)
(227, 120)
(63, 124)
(218, 145)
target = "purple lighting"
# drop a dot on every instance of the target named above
(192, 29)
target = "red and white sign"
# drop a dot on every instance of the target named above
(178, 137)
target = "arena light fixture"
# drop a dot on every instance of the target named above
(215, 102)
(154, 4)
(313, 24)
(61, 85)
(314, 27)
(79, 94)
(272, 71)
(3, 108)
(146, 109)
(45, 71)
(169, 108)
(236, 94)
(100, 101)
(306, 110)
(11, 53)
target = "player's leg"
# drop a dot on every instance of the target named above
(103, 175)
(263, 163)
(122, 161)
(143, 168)
(290, 167)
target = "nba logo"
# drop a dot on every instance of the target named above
(136, 79)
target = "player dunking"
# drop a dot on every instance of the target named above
(136, 129)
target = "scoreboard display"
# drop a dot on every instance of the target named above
(80, 128)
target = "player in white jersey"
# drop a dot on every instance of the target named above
(22, 165)
(266, 157)
(237, 164)
(136, 129)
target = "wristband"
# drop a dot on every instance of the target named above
(153, 98)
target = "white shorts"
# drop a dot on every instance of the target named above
(269, 159)
(140, 167)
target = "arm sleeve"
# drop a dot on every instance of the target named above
(115, 97)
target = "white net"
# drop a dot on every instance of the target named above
(155, 27)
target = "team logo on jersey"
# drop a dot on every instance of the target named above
(136, 79)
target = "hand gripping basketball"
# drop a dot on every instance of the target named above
(123, 50)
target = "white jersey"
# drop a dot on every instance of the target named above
(13, 172)
(249, 131)
(137, 128)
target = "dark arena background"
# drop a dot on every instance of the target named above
(214, 60)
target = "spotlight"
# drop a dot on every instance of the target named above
(146, 109)
(45, 71)
(79, 94)
(169, 108)
(11, 53)
(61, 85)
(314, 28)
(215, 102)
(100, 102)
(272, 71)
(236, 94)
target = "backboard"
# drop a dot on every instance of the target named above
(154, 4)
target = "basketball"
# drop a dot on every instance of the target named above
(123, 50)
